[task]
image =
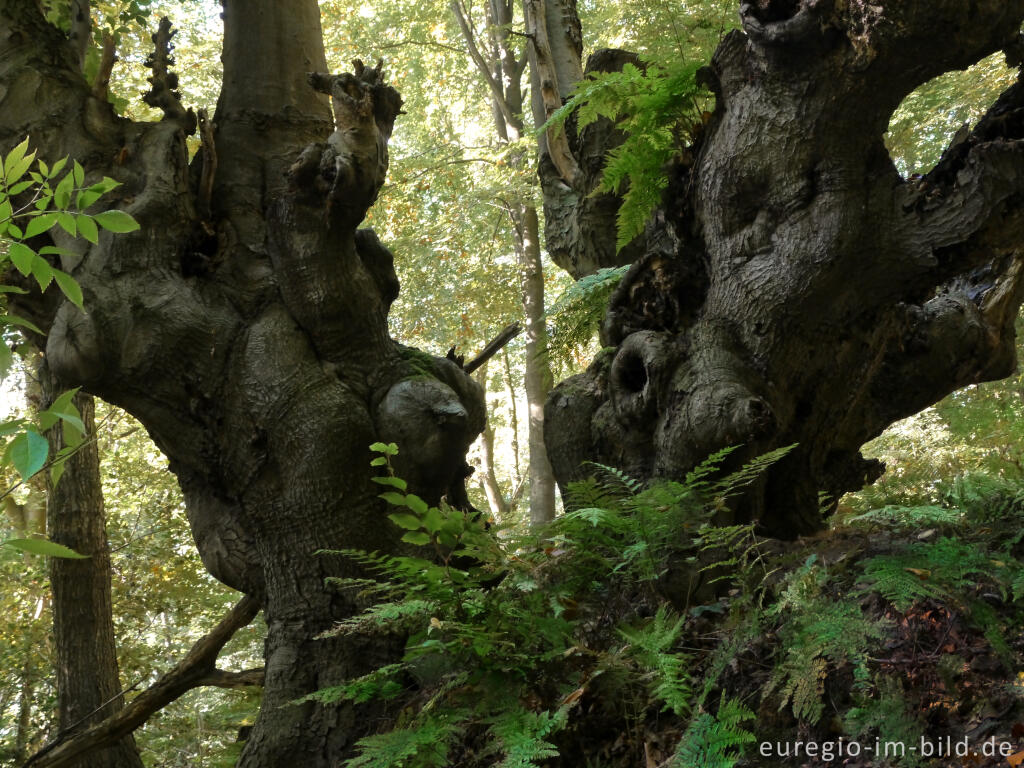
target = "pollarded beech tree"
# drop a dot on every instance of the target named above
(811, 296)
(245, 324)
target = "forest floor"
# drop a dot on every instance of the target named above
(891, 639)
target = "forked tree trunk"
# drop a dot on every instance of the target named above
(813, 296)
(88, 683)
(245, 326)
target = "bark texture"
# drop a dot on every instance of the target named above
(88, 681)
(245, 326)
(811, 295)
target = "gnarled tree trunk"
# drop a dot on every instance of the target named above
(813, 296)
(245, 326)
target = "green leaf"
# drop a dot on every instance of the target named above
(58, 167)
(10, 427)
(57, 471)
(87, 228)
(67, 222)
(28, 453)
(433, 520)
(12, 289)
(387, 448)
(116, 221)
(419, 538)
(69, 287)
(21, 322)
(42, 272)
(79, 173)
(39, 224)
(393, 498)
(405, 520)
(6, 211)
(44, 547)
(380, 461)
(62, 195)
(6, 361)
(416, 504)
(22, 257)
(16, 162)
(394, 482)
(86, 198)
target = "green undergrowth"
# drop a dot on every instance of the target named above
(635, 631)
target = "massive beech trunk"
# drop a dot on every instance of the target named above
(245, 326)
(812, 295)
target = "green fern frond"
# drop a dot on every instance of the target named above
(895, 516)
(817, 633)
(936, 570)
(658, 108)
(520, 736)
(576, 315)
(379, 684)
(751, 471)
(424, 745)
(715, 741)
(652, 645)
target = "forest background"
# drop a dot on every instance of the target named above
(445, 213)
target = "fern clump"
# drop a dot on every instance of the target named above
(939, 569)
(505, 636)
(660, 108)
(817, 633)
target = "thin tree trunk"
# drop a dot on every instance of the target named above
(514, 414)
(538, 377)
(88, 682)
(498, 67)
(25, 696)
(488, 479)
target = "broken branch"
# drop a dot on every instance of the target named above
(196, 669)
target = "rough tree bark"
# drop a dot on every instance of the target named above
(813, 296)
(245, 326)
(88, 681)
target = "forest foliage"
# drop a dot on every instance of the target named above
(680, 649)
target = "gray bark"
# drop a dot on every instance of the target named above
(257, 356)
(87, 680)
(812, 296)
(488, 478)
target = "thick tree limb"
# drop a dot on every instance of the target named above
(493, 347)
(81, 30)
(163, 93)
(551, 89)
(108, 57)
(196, 669)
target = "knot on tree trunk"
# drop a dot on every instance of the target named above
(433, 414)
